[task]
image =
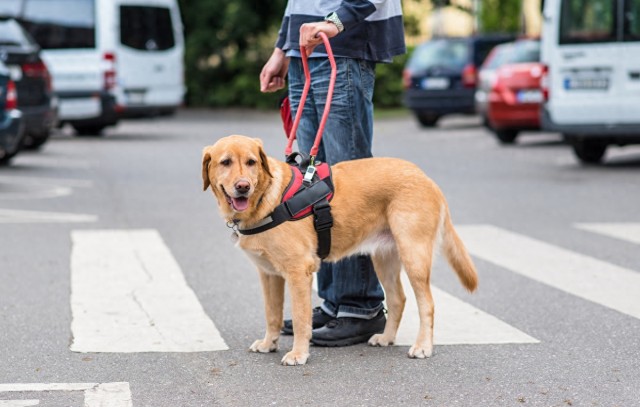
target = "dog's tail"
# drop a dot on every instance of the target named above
(457, 254)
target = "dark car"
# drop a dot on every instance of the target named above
(441, 75)
(11, 121)
(21, 55)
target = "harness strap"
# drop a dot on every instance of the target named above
(288, 209)
(322, 222)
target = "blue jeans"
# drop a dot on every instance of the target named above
(349, 287)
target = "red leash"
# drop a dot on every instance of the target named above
(327, 107)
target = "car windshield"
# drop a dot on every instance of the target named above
(452, 54)
(11, 34)
(514, 53)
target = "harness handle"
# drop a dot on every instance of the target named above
(327, 107)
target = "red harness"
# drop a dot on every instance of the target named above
(324, 172)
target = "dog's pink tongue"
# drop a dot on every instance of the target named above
(240, 204)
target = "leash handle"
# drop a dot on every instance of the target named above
(303, 98)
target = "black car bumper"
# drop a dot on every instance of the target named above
(440, 102)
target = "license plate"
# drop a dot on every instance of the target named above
(529, 96)
(435, 83)
(586, 83)
(135, 97)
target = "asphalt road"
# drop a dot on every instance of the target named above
(555, 322)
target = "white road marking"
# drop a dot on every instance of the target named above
(623, 231)
(455, 323)
(128, 294)
(40, 188)
(19, 403)
(95, 394)
(583, 276)
(18, 216)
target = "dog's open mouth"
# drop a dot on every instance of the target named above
(238, 204)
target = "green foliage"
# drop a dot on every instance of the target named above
(503, 16)
(388, 89)
(227, 43)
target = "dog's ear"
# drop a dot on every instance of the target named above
(264, 161)
(206, 160)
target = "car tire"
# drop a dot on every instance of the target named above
(427, 119)
(35, 141)
(589, 151)
(506, 136)
(6, 158)
(83, 130)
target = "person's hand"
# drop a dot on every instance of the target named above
(309, 38)
(272, 77)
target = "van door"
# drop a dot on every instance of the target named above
(630, 61)
(584, 62)
(149, 55)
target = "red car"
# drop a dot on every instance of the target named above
(513, 102)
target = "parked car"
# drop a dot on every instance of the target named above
(109, 59)
(21, 55)
(509, 93)
(440, 76)
(11, 120)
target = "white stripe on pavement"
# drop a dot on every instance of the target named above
(128, 294)
(19, 403)
(583, 276)
(455, 322)
(623, 231)
(17, 216)
(95, 395)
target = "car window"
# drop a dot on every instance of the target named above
(12, 34)
(588, 21)
(498, 57)
(632, 20)
(525, 51)
(56, 24)
(440, 53)
(146, 28)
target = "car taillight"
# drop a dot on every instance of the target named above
(110, 71)
(469, 76)
(544, 82)
(37, 70)
(12, 96)
(406, 79)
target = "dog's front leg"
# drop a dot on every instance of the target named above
(299, 284)
(273, 295)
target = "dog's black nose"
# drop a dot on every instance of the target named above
(242, 187)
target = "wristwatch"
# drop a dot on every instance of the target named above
(333, 18)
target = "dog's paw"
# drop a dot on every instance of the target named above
(420, 352)
(294, 358)
(262, 346)
(380, 340)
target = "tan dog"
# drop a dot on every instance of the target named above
(385, 207)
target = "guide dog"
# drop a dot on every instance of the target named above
(385, 207)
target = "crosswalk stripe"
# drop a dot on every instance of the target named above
(18, 216)
(623, 231)
(128, 294)
(455, 322)
(583, 276)
(116, 394)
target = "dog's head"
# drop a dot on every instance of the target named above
(237, 170)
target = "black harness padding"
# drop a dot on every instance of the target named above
(310, 198)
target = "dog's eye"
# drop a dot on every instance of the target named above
(226, 162)
(251, 162)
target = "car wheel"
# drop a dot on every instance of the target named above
(506, 136)
(35, 141)
(88, 130)
(427, 119)
(9, 154)
(589, 151)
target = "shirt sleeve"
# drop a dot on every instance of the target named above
(352, 12)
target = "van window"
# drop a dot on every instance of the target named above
(146, 28)
(632, 20)
(583, 21)
(58, 24)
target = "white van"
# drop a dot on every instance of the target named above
(109, 59)
(592, 52)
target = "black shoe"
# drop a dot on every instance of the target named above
(348, 331)
(319, 319)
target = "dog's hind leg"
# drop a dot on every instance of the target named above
(273, 295)
(388, 266)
